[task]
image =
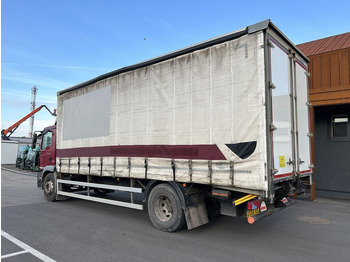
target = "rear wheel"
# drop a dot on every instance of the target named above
(49, 187)
(164, 208)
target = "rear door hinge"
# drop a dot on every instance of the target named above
(273, 128)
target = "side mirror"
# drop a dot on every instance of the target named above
(35, 137)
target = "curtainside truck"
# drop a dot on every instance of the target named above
(219, 127)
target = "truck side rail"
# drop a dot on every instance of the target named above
(98, 199)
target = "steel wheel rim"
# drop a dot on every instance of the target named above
(163, 208)
(48, 187)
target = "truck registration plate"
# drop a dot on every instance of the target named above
(251, 213)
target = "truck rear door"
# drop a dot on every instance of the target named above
(302, 118)
(289, 113)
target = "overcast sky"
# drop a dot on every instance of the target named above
(55, 44)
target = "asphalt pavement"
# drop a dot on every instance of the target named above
(78, 230)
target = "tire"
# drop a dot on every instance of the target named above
(165, 209)
(49, 187)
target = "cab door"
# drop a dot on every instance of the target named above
(48, 148)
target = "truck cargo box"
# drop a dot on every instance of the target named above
(230, 112)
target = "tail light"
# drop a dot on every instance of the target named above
(255, 204)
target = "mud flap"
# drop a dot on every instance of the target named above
(196, 216)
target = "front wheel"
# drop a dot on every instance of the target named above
(164, 208)
(49, 187)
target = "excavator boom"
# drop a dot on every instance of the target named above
(11, 129)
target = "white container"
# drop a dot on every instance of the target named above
(204, 114)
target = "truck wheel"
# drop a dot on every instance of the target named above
(50, 187)
(164, 208)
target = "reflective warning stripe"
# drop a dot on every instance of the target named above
(244, 199)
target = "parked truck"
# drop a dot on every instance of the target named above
(220, 127)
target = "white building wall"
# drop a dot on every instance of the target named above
(9, 152)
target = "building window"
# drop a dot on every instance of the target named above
(340, 127)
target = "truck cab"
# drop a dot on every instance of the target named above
(47, 160)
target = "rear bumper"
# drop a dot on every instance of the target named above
(289, 176)
(271, 210)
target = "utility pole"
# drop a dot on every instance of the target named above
(32, 107)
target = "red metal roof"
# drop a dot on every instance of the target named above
(325, 45)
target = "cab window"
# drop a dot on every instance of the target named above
(46, 140)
